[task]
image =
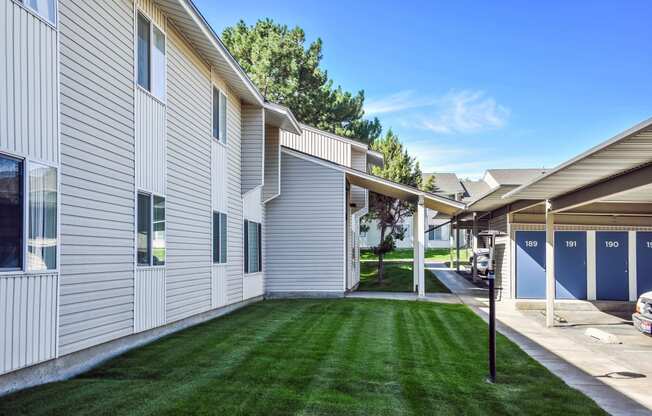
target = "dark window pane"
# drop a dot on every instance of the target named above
(11, 213)
(144, 55)
(246, 246)
(158, 242)
(216, 113)
(144, 222)
(260, 247)
(216, 237)
(42, 218)
(223, 233)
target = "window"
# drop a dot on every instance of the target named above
(158, 64)
(144, 55)
(32, 248)
(252, 247)
(431, 235)
(44, 8)
(150, 244)
(151, 58)
(42, 220)
(219, 115)
(158, 240)
(11, 220)
(219, 237)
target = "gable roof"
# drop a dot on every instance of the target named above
(624, 152)
(188, 19)
(473, 189)
(445, 183)
(511, 176)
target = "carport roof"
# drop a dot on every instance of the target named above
(624, 152)
(383, 186)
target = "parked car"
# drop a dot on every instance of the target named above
(483, 264)
(643, 316)
(481, 252)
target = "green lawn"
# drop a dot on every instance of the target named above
(316, 357)
(398, 278)
(432, 254)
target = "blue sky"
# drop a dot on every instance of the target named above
(471, 85)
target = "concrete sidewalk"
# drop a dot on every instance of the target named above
(430, 297)
(591, 369)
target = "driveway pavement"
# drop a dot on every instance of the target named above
(617, 376)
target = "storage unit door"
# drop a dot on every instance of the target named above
(643, 262)
(530, 264)
(612, 271)
(570, 264)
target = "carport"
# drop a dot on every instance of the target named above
(597, 211)
(443, 208)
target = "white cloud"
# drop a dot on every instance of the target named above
(400, 101)
(466, 112)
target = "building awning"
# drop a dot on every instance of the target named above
(442, 205)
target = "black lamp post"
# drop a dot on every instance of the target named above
(492, 315)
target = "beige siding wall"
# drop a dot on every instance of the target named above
(502, 253)
(253, 130)
(97, 173)
(319, 145)
(272, 165)
(28, 85)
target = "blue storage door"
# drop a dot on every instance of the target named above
(570, 265)
(643, 262)
(530, 264)
(612, 275)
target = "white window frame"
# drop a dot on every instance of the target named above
(44, 19)
(152, 25)
(150, 263)
(223, 139)
(245, 246)
(27, 162)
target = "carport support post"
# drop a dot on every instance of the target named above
(457, 244)
(415, 251)
(421, 237)
(550, 266)
(475, 246)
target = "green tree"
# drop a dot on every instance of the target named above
(287, 71)
(390, 212)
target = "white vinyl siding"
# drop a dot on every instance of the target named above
(149, 298)
(28, 85)
(97, 173)
(28, 316)
(305, 229)
(150, 143)
(252, 147)
(188, 275)
(320, 145)
(272, 186)
(358, 195)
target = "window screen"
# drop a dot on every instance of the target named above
(158, 64)
(42, 218)
(158, 225)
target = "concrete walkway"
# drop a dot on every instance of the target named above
(586, 369)
(430, 297)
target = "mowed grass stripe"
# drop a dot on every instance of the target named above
(316, 357)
